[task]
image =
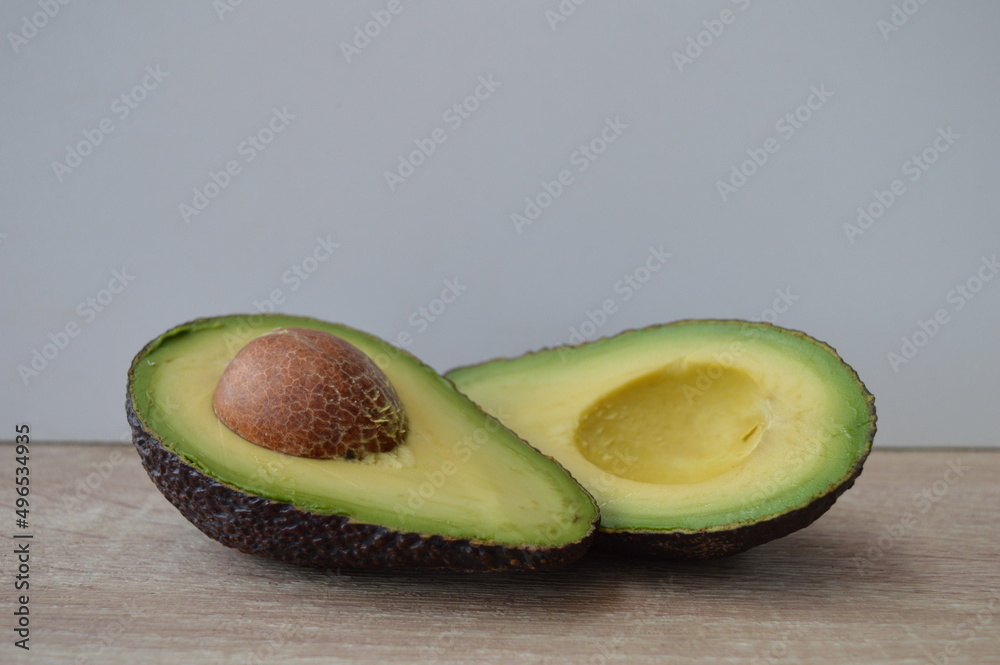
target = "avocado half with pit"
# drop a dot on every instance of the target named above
(316, 444)
(697, 438)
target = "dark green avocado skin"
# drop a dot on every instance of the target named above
(280, 531)
(719, 543)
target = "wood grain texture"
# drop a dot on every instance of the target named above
(887, 576)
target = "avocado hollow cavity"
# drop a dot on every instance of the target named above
(683, 423)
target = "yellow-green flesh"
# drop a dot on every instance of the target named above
(689, 426)
(458, 474)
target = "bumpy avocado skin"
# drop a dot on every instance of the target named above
(726, 541)
(283, 532)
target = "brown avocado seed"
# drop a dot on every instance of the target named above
(311, 394)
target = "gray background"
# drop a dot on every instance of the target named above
(323, 176)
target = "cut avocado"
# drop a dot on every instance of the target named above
(459, 492)
(698, 438)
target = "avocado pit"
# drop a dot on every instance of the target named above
(311, 394)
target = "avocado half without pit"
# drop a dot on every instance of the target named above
(316, 444)
(698, 439)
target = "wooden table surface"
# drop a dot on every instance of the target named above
(904, 569)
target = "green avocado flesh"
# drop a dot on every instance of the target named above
(458, 474)
(691, 426)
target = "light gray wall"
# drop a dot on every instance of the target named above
(885, 95)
